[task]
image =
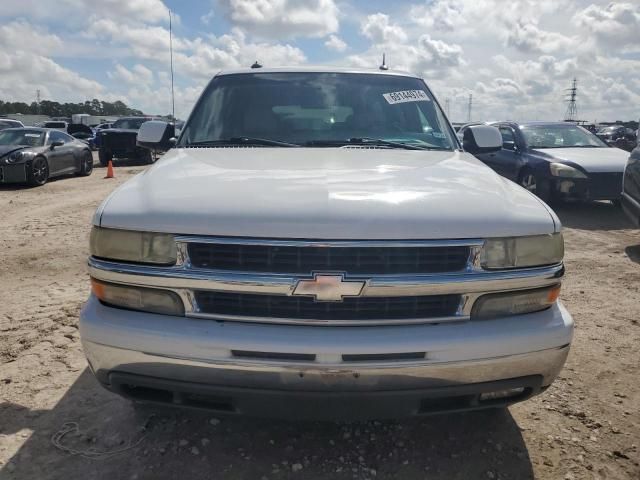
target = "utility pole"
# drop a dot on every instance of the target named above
(447, 107)
(173, 101)
(38, 101)
(469, 107)
(572, 108)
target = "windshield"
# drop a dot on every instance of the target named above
(559, 136)
(318, 109)
(608, 130)
(129, 123)
(33, 138)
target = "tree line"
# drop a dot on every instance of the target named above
(57, 109)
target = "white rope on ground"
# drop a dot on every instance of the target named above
(91, 453)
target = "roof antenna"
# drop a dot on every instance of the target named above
(384, 62)
(256, 65)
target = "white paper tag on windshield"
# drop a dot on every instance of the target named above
(406, 96)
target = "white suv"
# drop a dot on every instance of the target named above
(317, 244)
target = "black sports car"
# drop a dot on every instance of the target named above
(33, 155)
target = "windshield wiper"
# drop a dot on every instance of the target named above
(369, 141)
(242, 141)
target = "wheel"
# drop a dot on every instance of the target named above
(532, 182)
(104, 157)
(39, 173)
(86, 164)
(147, 157)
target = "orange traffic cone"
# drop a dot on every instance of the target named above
(110, 170)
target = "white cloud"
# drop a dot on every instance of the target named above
(149, 11)
(207, 17)
(20, 35)
(335, 43)
(525, 35)
(138, 75)
(617, 24)
(22, 73)
(234, 50)
(443, 15)
(198, 58)
(379, 29)
(278, 19)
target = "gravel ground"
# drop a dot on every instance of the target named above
(57, 423)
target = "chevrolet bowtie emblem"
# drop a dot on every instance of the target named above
(328, 288)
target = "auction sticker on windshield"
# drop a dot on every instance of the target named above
(406, 96)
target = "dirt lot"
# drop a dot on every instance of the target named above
(587, 425)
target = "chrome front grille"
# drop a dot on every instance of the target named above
(366, 260)
(259, 280)
(305, 308)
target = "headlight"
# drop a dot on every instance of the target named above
(565, 171)
(151, 300)
(520, 252)
(129, 246)
(16, 156)
(497, 305)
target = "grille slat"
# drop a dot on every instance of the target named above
(304, 259)
(306, 308)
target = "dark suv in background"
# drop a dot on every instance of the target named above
(619, 136)
(120, 141)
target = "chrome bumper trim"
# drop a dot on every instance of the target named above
(320, 376)
(279, 284)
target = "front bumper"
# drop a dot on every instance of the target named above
(256, 369)
(13, 173)
(598, 186)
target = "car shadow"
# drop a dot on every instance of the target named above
(163, 443)
(633, 252)
(592, 216)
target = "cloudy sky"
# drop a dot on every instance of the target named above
(516, 57)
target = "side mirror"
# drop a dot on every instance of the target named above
(156, 135)
(57, 143)
(480, 139)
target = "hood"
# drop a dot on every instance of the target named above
(8, 149)
(592, 160)
(76, 128)
(120, 130)
(324, 193)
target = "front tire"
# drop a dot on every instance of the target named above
(39, 173)
(104, 157)
(86, 164)
(532, 182)
(147, 157)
